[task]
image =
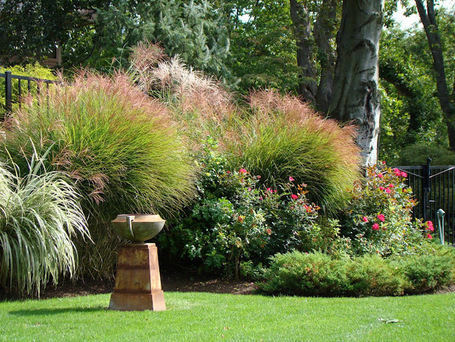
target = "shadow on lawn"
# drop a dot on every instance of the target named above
(55, 311)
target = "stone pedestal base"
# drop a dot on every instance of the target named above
(138, 281)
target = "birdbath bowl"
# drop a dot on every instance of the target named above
(138, 227)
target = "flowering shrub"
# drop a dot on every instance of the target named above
(379, 217)
(237, 220)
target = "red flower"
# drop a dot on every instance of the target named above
(381, 217)
(397, 172)
(269, 231)
(294, 197)
(242, 171)
(381, 188)
(380, 175)
(365, 219)
(375, 226)
(429, 236)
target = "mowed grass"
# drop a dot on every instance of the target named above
(219, 317)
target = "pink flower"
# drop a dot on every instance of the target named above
(249, 189)
(291, 179)
(242, 171)
(397, 172)
(365, 219)
(258, 177)
(388, 190)
(381, 188)
(383, 162)
(430, 226)
(375, 226)
(429, 236)
(381, 217)
(391, 186)
(228, 172)
(260, 198)
(380, 175)
(269, 190)
(294, 197)
(404, 174)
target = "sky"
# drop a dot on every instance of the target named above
(408, 22)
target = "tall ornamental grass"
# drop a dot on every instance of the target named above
(282, 137)
(117, 144)
(39, 215)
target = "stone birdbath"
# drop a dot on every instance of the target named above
(137, 280)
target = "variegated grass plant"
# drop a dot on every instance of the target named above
(39, 215)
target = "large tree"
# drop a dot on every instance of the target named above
(355, 92)
(445, 96)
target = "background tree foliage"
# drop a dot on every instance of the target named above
(285, 45)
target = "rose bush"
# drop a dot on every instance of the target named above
(379, 218)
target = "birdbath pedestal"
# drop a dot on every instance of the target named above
(137, 281)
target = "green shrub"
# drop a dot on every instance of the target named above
(371, 275)
(282, 137)
(237, 220)
(310, 274)
(117, 144)
(39, 215)
(318, 274)
(430, 271)
(379, 216)
(417, 155)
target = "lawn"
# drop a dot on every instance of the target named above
(217, 317)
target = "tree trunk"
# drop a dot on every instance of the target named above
(355, 93)
(300, 16)
(324, 29)
(428, 19)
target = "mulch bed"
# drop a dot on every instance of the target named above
(169, 283)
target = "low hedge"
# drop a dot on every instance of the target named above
(318, 274)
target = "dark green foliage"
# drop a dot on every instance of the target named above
(193, 30)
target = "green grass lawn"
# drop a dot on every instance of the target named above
(219, 317)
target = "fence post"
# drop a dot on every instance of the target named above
(426, 190)
(8, 92)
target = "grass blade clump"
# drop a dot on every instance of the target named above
(283, 137)
(117, 144)
(39, 214)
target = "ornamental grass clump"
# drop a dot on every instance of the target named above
(282, 136)
(118, 145)
(39, 216)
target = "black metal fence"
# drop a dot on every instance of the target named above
(16, 87)
(433, 187)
